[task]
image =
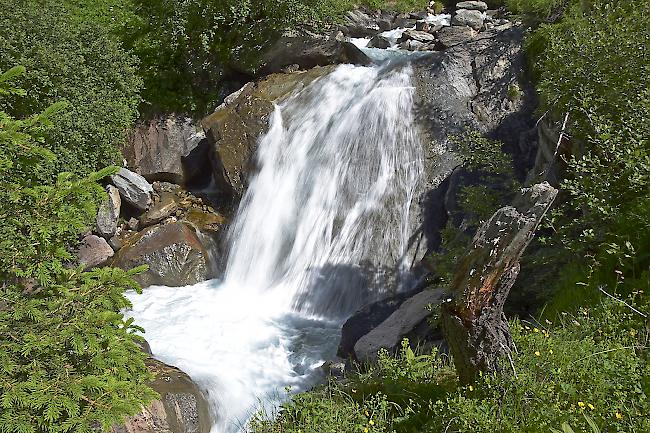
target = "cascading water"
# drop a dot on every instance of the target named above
(327, 211)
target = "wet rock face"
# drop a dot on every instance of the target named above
(133, 188)
(176, 253)
(182, 407)
(234, 128)
(157, 147)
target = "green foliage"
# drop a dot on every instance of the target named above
(71, 53)
(69, 360)
(595, 66)
(586, 369)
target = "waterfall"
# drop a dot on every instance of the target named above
(322, 230)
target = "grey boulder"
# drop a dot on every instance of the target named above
(469, 18)
(109, 213)
(133, 188)
(411, 315)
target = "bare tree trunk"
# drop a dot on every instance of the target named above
(473, 321)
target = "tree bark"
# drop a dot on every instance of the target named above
(472, 320)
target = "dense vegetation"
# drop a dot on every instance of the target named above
(76, 72)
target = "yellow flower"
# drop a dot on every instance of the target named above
(471, 388)
(550, 351)
(371, 422)
(366, 413)
(619, 415)
(591, 406)
(581, 404)
(365, 430)
(537, 353)
(535, 330)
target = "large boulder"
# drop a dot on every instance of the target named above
(454, 35)
(108, 213)
(417, 36)
(410, 320)
(133, 188)
(94, 251)
(156, 147)
(359, 24)
(177, 253)
(305, 51)
(234, 128)
(470, 18)
(182, 407)
(367, 318)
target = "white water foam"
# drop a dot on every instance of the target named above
(327, 211)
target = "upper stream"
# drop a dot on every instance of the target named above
(323, 225)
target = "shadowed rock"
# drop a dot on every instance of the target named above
(94, 251)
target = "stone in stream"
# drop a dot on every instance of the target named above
(379, 41)
(182, 407)
(469, 18)
(94, 251)
(133, 188)
(472, 5)
(109, 213)
(416, 35)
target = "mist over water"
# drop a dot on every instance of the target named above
(323, 227)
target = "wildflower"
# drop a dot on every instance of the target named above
(619, 415)
(550, 351)
(471, 388)
(581, 404)
(366, 413)
(365, 430)
(537, 353)
(354, 391)
(591, 406)
(371, 422)
(527, 327)
(535, 330)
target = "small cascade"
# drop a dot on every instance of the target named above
(322, 230)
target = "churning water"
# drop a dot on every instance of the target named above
(323, 226)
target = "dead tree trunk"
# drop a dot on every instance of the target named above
(473, 321)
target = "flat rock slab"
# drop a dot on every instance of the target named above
(417, 36)
(390, 332)
(472, 5)
(452, 36)
(133, 188)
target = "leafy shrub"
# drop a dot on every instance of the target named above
(69, 361)
(71, 56)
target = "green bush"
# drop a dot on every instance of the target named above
(69, 361)
(72, 54)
